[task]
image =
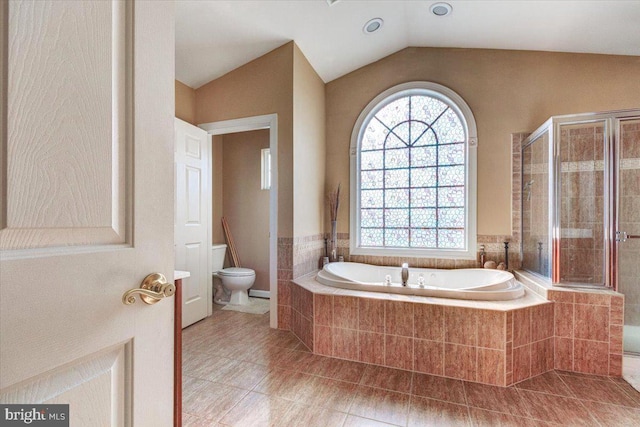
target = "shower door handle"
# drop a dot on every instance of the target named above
(622, 236)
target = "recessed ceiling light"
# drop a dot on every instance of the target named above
(441, 9)
(372, 26)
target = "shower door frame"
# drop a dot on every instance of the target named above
(611, 195)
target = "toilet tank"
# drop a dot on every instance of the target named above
(218, 250)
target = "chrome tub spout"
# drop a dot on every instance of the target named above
(405, 273)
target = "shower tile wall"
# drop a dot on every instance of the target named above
(582, 196)
(535, 205)
(629, 251)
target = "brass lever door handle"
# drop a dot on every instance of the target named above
(154, 287)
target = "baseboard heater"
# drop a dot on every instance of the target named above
(259, 294)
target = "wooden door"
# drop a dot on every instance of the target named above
(193, 220)
(87, 190)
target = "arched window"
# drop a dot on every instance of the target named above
(413, 174)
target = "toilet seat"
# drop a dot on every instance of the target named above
(236, 272)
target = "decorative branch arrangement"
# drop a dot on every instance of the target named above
(334, 203)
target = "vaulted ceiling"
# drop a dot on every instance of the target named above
(216, 36)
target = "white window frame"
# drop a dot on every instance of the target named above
(457, 103)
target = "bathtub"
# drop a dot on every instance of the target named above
(468, 283)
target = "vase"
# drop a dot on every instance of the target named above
(333, 255)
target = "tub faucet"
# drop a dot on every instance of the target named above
(405, 273)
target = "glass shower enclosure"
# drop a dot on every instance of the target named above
(581, 206)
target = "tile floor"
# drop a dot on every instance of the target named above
(239, 372)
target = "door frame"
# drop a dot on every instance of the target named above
(267, 121)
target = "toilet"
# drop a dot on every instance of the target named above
(236, 280)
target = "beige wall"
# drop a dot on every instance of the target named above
(263, 86)
(185, 102)
(244, 204)
(508, 91)
(308, 147)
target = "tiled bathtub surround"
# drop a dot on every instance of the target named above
(285, 274)
(296, 257)
(497, 347)
(587, 328)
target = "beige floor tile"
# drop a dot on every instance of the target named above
(257, 410)
(332, 394)
(193, 421)
(438, 388)
(381, 405)
(300, 415)
(242, 374)
(613, 415)
(286, 384)
(556, 409)
(484, 418)
(387, 378)
(549, 382)
(353, 421)
(429, 412)
(598, 390)
(499, 399)
(212, 400)
(339, 369)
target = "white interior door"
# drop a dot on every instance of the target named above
(87, 118)
(193, 219)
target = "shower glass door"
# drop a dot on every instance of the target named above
(581, 174)
(629, 228)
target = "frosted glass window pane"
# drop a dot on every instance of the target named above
(449, 128)
(423, 218)
(371, 237)
(451, 196)
(423, 177)
(371, 198)
(371, 218)
(396, 198)
(417, 131)
(427, 138)
(397, 178)
(371, 179)
(426, 108)
(396, 218)
(371, 160)
(374, 136)
(451, 175)
(402, 132)
(451, 154)
(393, 141)
(394, 113)
(451, 217)
(396, 158)
(423, 238)
(451, 239)
(423, 156)
(398, 238)
(423, 197)
(412, 176)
